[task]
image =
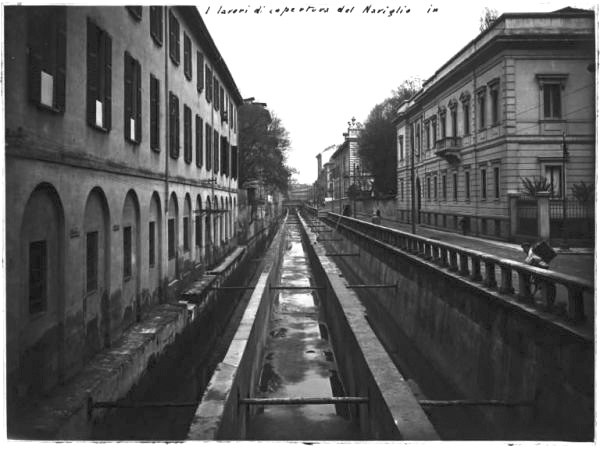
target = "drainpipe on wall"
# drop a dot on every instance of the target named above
(167, 108)
(477, 225)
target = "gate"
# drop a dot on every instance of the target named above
(579, 222)
(527, 217)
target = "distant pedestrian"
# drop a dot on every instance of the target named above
(376, 217)
(464, 225)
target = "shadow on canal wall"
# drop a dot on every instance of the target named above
(219, 416)
(365, 368)
(486, 346)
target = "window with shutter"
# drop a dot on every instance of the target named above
(208, 135)
(133, 99)
(135, 12)
(186, 234)
(37, 277)
(151, 244)
(187, 56)
(156, 24)
(173, 125)
(224, 161)
(99, 71)
(46, 40)
(173, 38)
(216, 151)
(171, 239)
(187, 134)
(200, 71)
(199, 152)
(215, 93)
(234, 162)
(208, 86)
(154, 113)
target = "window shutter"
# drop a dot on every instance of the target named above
(208, 136)
(156, 24)
(154, 93)
(200, 70)
(34, 41)
(215, 93)
(216, 151)
(177, 125)
(198, 141)
(107, 81)
(92, 71)
(187, 56)
(128, 94)
(208, 84)
(61, 57)
(138, 108)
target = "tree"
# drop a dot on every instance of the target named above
(377, 141)
(264, 143)
(488, 17)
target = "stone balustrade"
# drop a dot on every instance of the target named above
(526, 284)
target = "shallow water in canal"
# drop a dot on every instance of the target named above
(299, 362)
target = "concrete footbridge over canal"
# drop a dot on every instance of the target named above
(340, 329)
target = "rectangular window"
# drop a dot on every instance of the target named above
(208, 137)
(154, 113)
(199, 139)
(224, 159)
(126, 252)
(187, 56)
(455, 186)
(171, 238)
(496, 182)
(483, 184)
(481, 109)
(91, 261)
(173, 38)
(186, 234)
(209, 83)
(433, 131)
(435, 188)
(222, 102)
(199, 71)
(133, 100)
(454, 122)
(554, 177)
(494, 104)
(401, 147)
(152, 244)
(198, 224)
(401, 190)
(466, 118)
(234, 161)
(187, 134)
(442, 126)
(216, 93)
(156, 24)
(552, 106)
(173, 125)
(427, 137)
(467, 185)
(46, 39)
(135, 12)
(215, 151)
(428, 188)
(99, 82)
(37, 276)
(444, 191)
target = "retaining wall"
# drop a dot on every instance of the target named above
(487, 345)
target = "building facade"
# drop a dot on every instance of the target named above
(121, 175)
(496, 113)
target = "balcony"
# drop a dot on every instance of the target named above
(449, 149)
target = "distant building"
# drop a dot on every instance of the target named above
(323, 185)
(346, 168)
(121, 175)
(496, 113)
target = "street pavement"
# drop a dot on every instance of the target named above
(577, 262)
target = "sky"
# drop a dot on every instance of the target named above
(317, 70)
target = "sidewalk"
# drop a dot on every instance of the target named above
(576, 262)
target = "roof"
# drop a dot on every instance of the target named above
(197, 25)
(484, 39)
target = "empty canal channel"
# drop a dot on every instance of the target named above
(299, 360)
